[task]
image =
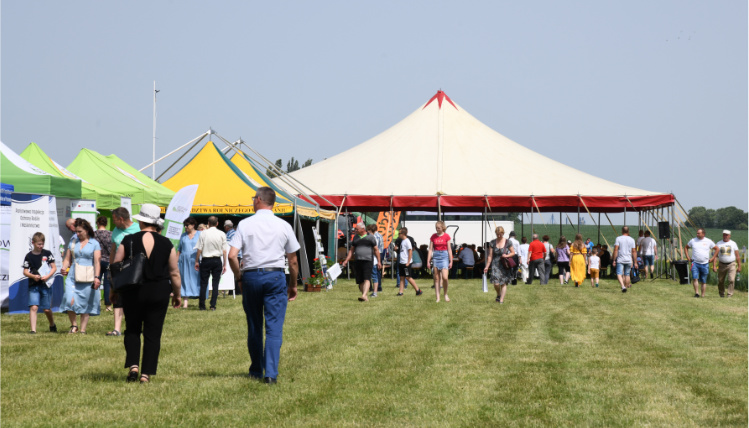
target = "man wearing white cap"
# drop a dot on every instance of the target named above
(701, 247)
(730, 263)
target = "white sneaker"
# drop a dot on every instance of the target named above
(373, 295)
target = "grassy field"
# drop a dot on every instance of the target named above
(550, 356)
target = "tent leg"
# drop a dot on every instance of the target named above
(561, 223)
(599, 229)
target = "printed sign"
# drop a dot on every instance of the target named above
(85, 209)
(127, 203)
(386, 225)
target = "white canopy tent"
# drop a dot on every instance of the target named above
(452, 165)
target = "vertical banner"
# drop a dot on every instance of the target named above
(54, 245)
(85, 209)
(127, 203)
(386, 225)
(5, 218)
(178, 210)
(29, 214)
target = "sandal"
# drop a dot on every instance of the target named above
(132, 376)
(113, 333)
(144, 378)
(73, 329)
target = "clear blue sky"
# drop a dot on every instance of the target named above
(651, 94)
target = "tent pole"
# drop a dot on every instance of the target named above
(180, 158)
(522, 224)
(561, 223)
(578, 213)
(439, 208)
(198, 138)
(599, 229)
(391, 231)
(532, 201)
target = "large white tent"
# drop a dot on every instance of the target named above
(441, 158)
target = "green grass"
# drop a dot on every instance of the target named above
(550, 356)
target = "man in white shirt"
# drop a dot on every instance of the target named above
(701, 248)
(523, 251)
(265, 240)
(405, 259)
(730, 263)
(625, 257)
(649, 251)
(212, 248)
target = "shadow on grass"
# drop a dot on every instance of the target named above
(224, 375)
(103, 377)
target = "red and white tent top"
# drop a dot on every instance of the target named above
(442, 156)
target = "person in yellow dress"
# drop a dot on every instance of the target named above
(578, 260)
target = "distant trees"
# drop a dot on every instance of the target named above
(728, 217)
(291, 166)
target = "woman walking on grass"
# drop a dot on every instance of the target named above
(563, 260)
(439, 251)
(499, 248)
(186, 254)
(145, 305)
(578, 260)
(82, 295)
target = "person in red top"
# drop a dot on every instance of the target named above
(536, 256)
(439, 252)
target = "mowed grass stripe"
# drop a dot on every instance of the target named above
(551, 355)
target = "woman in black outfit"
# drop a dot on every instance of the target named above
(145, 306)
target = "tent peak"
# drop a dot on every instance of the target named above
(440, 96)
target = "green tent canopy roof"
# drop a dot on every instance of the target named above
(27, 178)
(97, 169)
(105, 199)
(140, 176)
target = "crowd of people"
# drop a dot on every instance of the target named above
(504, 260)
(261, 245)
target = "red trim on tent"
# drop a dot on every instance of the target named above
(440, 96)
(497, 203)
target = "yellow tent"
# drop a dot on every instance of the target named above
(224, 189)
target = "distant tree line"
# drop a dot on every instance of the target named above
(291, 166)
(728, 217)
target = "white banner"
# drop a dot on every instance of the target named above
(181, 204)
(5, 218)
(84, 209)
(127, 203)
(29, 214)
(178, 210)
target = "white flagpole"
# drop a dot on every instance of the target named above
(153, 167)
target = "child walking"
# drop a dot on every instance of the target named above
(594, 266)
(39, 267)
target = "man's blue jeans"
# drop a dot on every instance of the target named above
(264, 294)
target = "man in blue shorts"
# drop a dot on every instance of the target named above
(625, 254)
(701, 248)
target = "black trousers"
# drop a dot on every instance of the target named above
(210, 266)
(145, 311)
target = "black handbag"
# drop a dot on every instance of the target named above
(128, 274)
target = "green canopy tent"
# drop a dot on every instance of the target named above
(105, 199)
(158, 187)
(27, 178)
(97, 169)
